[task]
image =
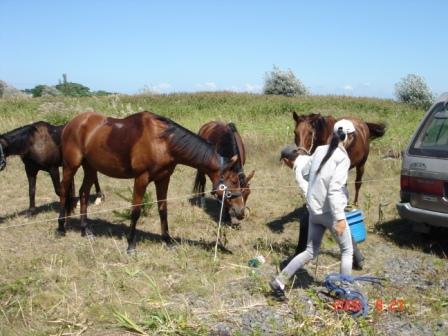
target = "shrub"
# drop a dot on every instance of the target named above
(413, 90)
(7, 90)
(283, 83)
(43, 91)
(126, 214)
(73, 89)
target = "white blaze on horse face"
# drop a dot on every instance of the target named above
(118, 125)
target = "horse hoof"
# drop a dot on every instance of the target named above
(60, 233)
(30, 212)
(98, 201)
(167, 239)
(131, 251)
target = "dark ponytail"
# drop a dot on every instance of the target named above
(339, 136)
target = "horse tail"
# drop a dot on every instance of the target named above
(376, 130)
(199, 183)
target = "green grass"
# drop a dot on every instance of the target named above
(52, 285)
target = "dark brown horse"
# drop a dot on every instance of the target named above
(227, 142)
(142, 146)
(315, 130)
(39, 147)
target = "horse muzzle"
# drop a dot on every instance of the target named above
(237, 212)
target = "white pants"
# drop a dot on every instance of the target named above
(317, 226)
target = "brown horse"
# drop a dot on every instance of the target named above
(227, 142)
(39, 147)
(142, 146)
(315, 130)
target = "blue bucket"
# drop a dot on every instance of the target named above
(355, 219)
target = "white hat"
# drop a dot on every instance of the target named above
(344, 124)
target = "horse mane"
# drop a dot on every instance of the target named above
(185, 143)
(236, 151)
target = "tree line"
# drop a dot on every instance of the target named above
(411, 89)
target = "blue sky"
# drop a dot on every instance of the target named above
(359, 48)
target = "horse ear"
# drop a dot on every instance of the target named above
(296, 117)
(248, 177)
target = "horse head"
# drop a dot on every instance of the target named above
(227, 187)
(310, 131)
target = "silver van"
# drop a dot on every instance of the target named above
(424, 173)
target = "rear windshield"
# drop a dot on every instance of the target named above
(432, 137)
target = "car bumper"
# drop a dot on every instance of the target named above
(407, 211)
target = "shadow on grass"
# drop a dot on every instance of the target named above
(101, 227)
(303, 279)
(277, 225)
(212, 208)
(53, 206)
(400, 232)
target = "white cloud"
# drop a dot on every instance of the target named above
(233, 88)
(158, 88)
(207, 86)
(253, 87)
(348, 87)
(210, 85)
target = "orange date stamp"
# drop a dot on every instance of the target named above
(380, 305)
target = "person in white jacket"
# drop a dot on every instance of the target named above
(300, 164)
(326, 199)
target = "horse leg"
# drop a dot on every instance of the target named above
(55, 178)
(90, 175)
(140, 184)
(31, 174)
(99, 194)
(161, 191)
(358, 181)
(66, 200)
(199, 187)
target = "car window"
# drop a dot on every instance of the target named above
(432, 138)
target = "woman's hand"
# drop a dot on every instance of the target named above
(339, 227)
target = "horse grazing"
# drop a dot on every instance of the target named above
(39, 147)
(315, 130)
(143, 146)
(227, 142)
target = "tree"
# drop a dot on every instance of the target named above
(413, 90)
(285, 83)
(43, 90)
(73, 89)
